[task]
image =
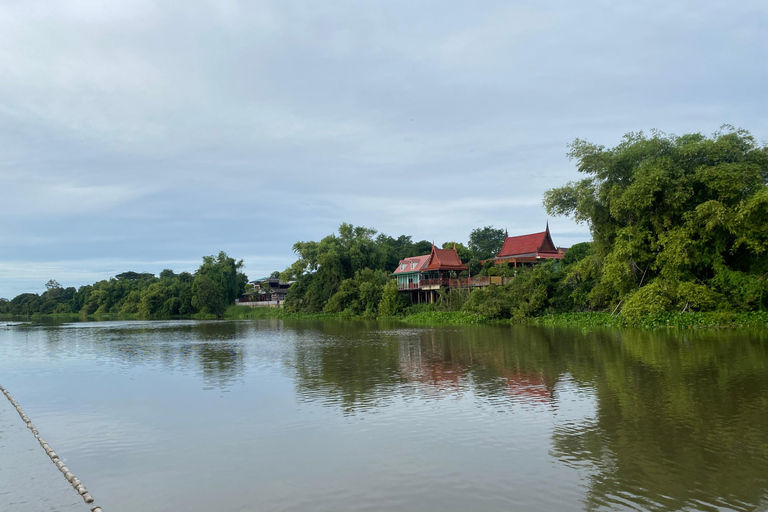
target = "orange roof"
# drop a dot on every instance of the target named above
(444, 259)
(534, 245)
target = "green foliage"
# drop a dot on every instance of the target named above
(207, 296)
(578, 252)
(687, 209)
(651, 299)
(532, 292)
(485, 242)
(444, 318)
(392, 301)
(142, 295)
(359, 295)
(225, 273)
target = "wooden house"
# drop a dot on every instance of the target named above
(423, 275)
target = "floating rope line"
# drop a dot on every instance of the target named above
(71, 478)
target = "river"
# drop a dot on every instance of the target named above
(281, 415)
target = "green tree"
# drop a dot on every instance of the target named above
(485, 242)
(391, 303)
(225, 273)
(671, 210)
(208, 296)
(323, 266)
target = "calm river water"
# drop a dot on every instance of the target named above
(344, 416)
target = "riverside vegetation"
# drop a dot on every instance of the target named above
(679, 227)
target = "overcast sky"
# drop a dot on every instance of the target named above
(142, 135)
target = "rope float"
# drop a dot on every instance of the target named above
(71, 478)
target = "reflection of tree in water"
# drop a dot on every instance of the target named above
(221, 363)
(342, 369)
(361, 368)
(208, 347)
(682, 421)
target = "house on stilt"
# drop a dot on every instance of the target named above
(422, 276)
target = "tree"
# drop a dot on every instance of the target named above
(208, 296)
(391, 302)
(421, 248)
(688, 209)
(323, 266)
(486, 242)
(225, 273)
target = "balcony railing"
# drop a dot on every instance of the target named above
(464, 282)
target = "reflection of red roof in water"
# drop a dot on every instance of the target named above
(439, 375)
(528, 387)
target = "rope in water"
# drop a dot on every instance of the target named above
(71, 478)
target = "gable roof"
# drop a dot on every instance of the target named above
(421, 262)
(444, 259)
(438, 259)
(534, 244)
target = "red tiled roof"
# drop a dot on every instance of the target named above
(444, 259)
(530, 245)
(438, 259)
(420, 261)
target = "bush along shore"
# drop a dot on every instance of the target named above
(679, 230)
(429, 316)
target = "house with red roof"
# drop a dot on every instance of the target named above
(528, 249)
(429, 272)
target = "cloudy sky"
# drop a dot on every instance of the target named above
(139, 135)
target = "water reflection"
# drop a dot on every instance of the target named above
(363, 369)
(681, 420)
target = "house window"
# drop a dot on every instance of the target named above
(402, 267)
(413, 265)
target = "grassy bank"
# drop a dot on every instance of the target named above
(583, 319)
(416, 318)
(420, 316)
(757, 319)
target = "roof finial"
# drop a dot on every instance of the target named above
(547, 224)
(454, 246)
(506, 233)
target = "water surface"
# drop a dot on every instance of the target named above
(331, 416)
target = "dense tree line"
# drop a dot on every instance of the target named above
(678, 224)
(210, 290)
(349, 272)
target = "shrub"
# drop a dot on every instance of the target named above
(651, 299)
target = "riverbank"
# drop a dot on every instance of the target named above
(757, 319)
(710, 320)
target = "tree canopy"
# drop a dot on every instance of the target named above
(683, 215)
(215, 285)
(486, 242)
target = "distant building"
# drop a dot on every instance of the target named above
(269, 291)
(528, 249)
